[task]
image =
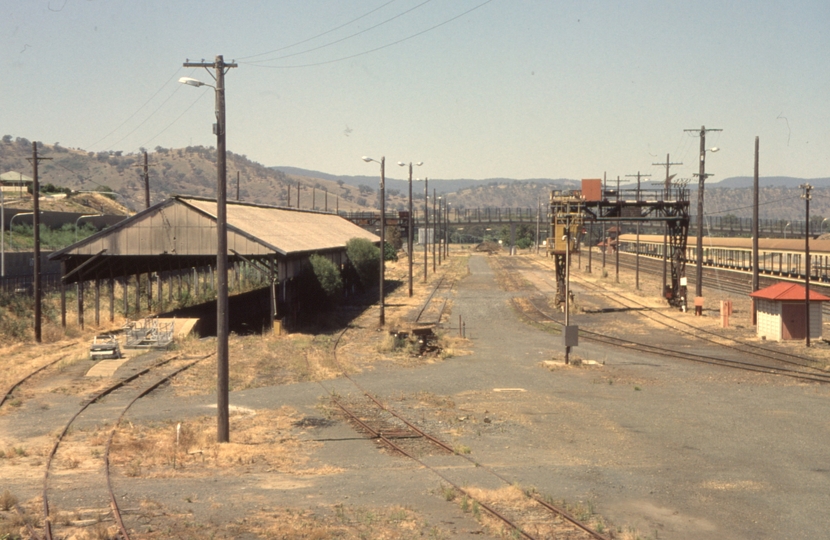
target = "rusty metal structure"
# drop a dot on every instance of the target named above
(569, 210)
(567, 213)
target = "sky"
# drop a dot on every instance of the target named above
(473, 88)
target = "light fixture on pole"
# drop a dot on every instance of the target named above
(222, 321)
(701, 180)
(79, 219)
(11, 226)
(382, 202)
(410, 221)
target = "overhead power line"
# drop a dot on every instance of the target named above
(178, 69)
(343, 38)
(349, 57)
(320, 34)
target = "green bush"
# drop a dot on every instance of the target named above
(328, 275)
(390, 253)
(365, 258)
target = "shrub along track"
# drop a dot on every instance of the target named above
(538, 310)
(166, 362)
(390, 429)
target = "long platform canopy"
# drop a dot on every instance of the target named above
(180, 232)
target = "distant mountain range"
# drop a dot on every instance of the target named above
(450, 186)
(192, 171)
(441, 185)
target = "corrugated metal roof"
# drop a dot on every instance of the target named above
(14, 176)
(287, 230)
(788, 291)
(186, 226)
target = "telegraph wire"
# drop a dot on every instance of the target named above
(343, 38)
(163, 103)
(376, 48)
(319, 35)
(178, 69)
(176, 120)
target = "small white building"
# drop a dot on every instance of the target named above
(781, 313)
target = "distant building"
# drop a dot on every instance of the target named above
(13, 182)
(782, 315)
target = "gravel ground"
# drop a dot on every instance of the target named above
(668, 448)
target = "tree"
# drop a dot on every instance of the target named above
(365, 258)
(327, 274)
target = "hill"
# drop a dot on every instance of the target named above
(192, 171)
(185, 171)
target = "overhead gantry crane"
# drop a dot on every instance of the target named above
(571, 209)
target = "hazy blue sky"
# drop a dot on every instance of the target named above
(514, 88)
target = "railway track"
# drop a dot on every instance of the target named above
(170, 366)
(435, 305)
(696, 332)
(725, 280)
(777, 363)
(49, 363)
(391, 430)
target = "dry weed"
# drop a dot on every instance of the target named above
(261, 439)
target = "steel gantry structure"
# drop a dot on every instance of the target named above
(594, 203)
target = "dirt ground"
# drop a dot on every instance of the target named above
(638, 447)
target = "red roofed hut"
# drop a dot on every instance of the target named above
(781, 313)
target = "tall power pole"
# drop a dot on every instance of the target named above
(426, 227)
(222, 319)
(666, 192)
(755, 234)
(807, 196)
(701, 179)
(36, 232)
(146, 183)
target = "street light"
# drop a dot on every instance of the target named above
(222, 322)
(382, 229)
(409, 225)
(79, 219)
(702, 178)
(11, 226)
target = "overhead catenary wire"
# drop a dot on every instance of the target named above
(351, 56)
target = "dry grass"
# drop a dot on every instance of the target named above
(262, 440)
(518, 505)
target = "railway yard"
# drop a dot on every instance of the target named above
(664, 425)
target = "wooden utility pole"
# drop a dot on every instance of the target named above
(146, 183)
(237, 185)
(701, 180)
(222, 319)
(755, 235)
(36, 232)
(426, 226)
(807, 196)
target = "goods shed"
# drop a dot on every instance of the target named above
(179, 236)
(782, 314)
